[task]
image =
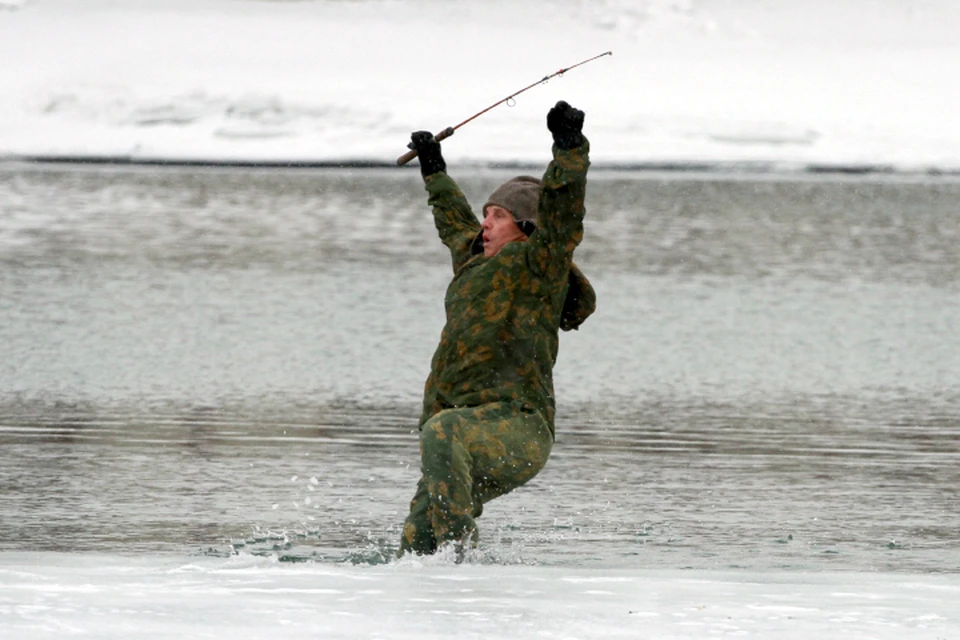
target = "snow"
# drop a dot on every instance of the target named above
(774, 82)
(782, 83)
(58, 595)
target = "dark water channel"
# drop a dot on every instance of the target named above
(198, 360)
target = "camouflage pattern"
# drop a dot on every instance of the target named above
(503, 313)
(471, 456)
(488, 411)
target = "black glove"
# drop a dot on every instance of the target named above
(428, 150)
(566, 124)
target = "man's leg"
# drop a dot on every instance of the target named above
(508, 449)
(417, 530)
(447, 474)
(470, 456)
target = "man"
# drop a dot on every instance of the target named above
(488, 409)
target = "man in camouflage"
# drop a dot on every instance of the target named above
(488, 411)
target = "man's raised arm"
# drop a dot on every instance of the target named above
(561, 207)
(455, 220)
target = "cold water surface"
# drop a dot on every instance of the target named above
(220, 361)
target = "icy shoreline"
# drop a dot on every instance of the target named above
(45, 595)
(732, 84)
(690, 168)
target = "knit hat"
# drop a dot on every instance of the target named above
(519, 196)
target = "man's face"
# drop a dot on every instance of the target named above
(499, 228)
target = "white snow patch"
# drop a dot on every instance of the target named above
(862, 81)
(42, 595)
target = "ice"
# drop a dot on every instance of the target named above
(779, 83)
(53, 595)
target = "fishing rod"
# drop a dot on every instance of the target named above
(446, 133)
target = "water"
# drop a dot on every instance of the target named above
(220, 362)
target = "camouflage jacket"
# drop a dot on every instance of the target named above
(503, 313)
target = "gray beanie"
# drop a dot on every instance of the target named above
(519, 196)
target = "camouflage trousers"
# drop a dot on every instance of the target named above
(470, 456)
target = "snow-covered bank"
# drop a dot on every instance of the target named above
(856, 83)
(53, 595)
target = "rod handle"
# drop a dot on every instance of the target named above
(410, 155)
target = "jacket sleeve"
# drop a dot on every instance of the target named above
(560, 213)
(457, 224)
